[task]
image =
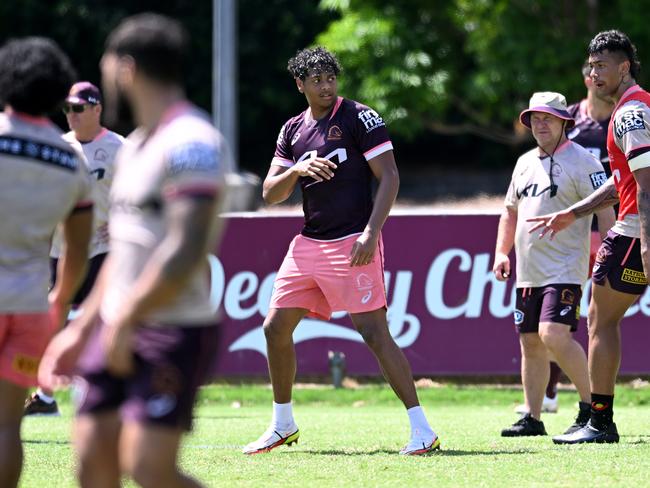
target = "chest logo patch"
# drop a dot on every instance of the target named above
(100, 155)
(334, 133)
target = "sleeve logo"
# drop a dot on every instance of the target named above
(598, 178)
(370, 119)
(628, 121)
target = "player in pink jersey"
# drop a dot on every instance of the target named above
(42, 182)
(623, 262)
(333, 150)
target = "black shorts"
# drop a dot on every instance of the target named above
(94, 265)
(171, 363)
(551, 303)
(619, 262)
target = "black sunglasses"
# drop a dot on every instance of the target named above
(76, 108)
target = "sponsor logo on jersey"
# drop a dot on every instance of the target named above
(601, 255)
(634, 277)
(195, 157)
(532, 190)
(628, 121)
(565, 311)
(567, 297)
(598, 178)
(295, 138)
(518, 316)
(370, 119)
(556, 169)
(334, 133)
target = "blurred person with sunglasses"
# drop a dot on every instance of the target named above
(550, 273)
(83, 110)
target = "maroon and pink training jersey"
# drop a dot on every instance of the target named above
(350, 136)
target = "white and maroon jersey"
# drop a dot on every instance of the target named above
(565, 259)
(589, 133)
(100, 160)
(184, 156)
(628, 144)
(42, 181)
(350, 136)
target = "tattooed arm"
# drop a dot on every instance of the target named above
(603, 197)
(642, 177)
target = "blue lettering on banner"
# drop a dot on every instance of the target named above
(39, 152)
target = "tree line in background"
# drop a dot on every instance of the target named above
(449, 76)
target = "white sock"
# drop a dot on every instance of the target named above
(46, 398)
(283, 416)
(419, 425)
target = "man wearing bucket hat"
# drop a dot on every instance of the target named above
(556, 174)
(83, 109)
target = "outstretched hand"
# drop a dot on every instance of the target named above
(552, 223)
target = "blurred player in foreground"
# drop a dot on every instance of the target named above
(147, 333)
(42, 182)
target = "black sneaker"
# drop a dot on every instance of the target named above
(35, 405)
(525, 426)
(589, 433)
(584, 414)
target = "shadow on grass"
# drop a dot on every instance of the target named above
(42, 441)
(444, 452)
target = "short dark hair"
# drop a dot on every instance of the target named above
(318, 60)
(158, 44)
(616, 41)
(35, 75)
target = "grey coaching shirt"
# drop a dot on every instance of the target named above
(565, 259)
(184, 156)
(42, 180)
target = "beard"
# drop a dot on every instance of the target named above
(118, 115)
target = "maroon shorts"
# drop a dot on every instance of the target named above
(619, 262)
(551, 303)
(171, 363)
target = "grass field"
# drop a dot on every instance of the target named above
(351, 438)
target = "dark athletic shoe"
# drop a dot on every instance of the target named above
(525, 426)
(589, 433)
(34, 405)
(584, 414)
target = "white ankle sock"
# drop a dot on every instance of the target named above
(44, 397)
(419, 425)
(283, 415)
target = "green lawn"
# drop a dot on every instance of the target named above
(351, 438)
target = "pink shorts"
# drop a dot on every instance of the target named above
(316, 275)
(23, 339)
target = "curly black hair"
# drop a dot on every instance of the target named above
(158, 44)
(315, 60)
(35, 75)
(616, 41)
